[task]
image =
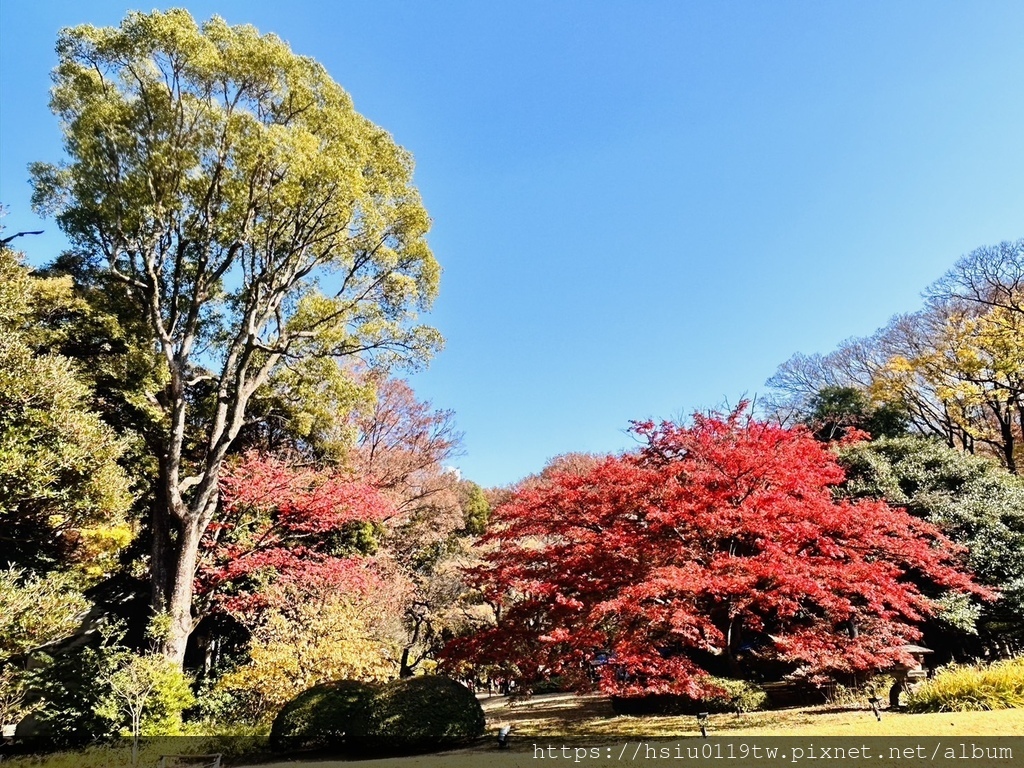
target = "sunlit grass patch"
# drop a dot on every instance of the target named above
(591, 718)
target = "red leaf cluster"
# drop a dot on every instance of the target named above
(719, 542)
(276, 528)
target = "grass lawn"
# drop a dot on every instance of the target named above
(567, 716)
(588, 723)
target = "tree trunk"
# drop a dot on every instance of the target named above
(175, 552)
(179, 602)
(161, 559)
(732, 638)
(1006, 430)
(160, 552)
(405, 670)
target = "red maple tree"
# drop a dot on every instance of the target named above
(281, 525)
(718, 545)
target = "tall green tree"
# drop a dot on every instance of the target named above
(837, 410)
(240, 210)
(62, 494)
(63, 497)
(976, 503)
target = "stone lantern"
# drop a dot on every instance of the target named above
(908, 674)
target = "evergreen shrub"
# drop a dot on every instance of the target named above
(325, 716)
(413, 714)
(748, 697)
(422, 713)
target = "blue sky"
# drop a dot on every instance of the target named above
(641, 208)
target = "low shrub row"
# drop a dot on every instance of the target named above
(748, 697)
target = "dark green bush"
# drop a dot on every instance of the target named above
(409, 715)
(551, 685)
(421, 713)
(748, 697)
(327, 716)
(69, 686)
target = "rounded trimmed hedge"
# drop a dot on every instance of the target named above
(413, 714)
(325, 716)
(421, 713)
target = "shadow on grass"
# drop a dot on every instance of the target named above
(590, 719)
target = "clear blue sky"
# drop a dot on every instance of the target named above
(641, 208)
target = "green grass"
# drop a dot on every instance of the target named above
(589, 721)
(238, 746)
(591, 718)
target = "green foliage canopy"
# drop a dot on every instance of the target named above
(976, 503)
(224, 190)
(217, 172)
(836, 410)
(62, 493)
(476, 510)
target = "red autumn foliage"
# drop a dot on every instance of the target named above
(280, 524)
(718, 545)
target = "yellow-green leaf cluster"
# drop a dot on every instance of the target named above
(63, 496)
(330, 639)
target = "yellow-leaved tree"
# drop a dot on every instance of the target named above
(311, 641)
